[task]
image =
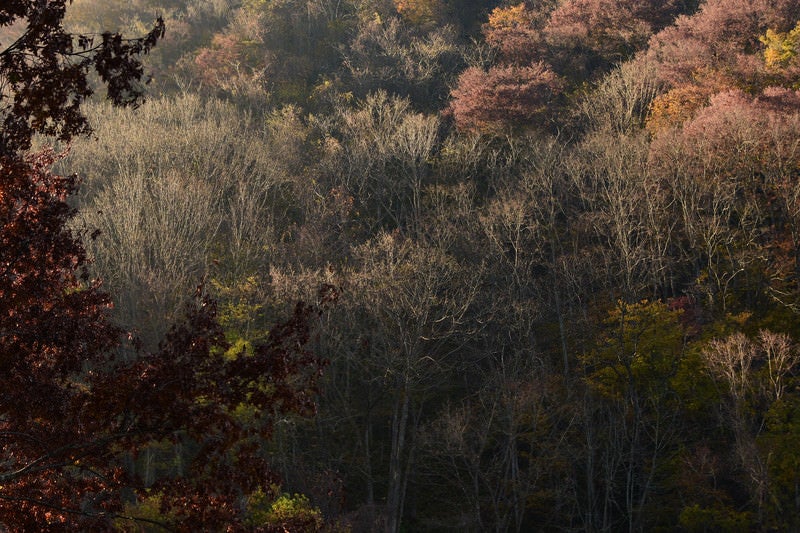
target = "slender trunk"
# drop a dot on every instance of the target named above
(590, 495)
(409, 462)
(562, 331)
(394, 498)
(518, 504)
(368, 466)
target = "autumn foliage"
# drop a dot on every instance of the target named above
(501, 96)
(421, 12)
(46, 71)
(75, 412)
(79, 405)
(781, 48)
(48, 306)
(610, 29)
(514, 32)
(564, 236)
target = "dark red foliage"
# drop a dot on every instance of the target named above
(45, 71)
(52, 326)
(71, 411)
(76, 409)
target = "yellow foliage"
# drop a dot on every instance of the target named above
(287, 512)
(675, 107)
(145, 509)
(680, 104)
(509, 17)
(642, 347)
(781, 47)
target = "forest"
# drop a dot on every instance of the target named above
(400, 265)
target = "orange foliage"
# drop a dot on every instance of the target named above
(512, 32)
(684, 101)
(510, 17)
(676, 106)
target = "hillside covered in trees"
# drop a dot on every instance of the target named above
(551, 251)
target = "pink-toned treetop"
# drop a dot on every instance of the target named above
(504, 96)
(722, 36)
(611, 29)
(515, 33)
(736, 135)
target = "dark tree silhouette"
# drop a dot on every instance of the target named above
(74, 413)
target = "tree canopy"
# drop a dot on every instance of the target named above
(563, 237)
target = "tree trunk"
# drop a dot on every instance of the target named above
(394, 499)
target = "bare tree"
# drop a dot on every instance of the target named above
(187, 196)
(418, 300)
(384, 160)
(734, 361)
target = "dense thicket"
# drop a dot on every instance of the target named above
(565, 235)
